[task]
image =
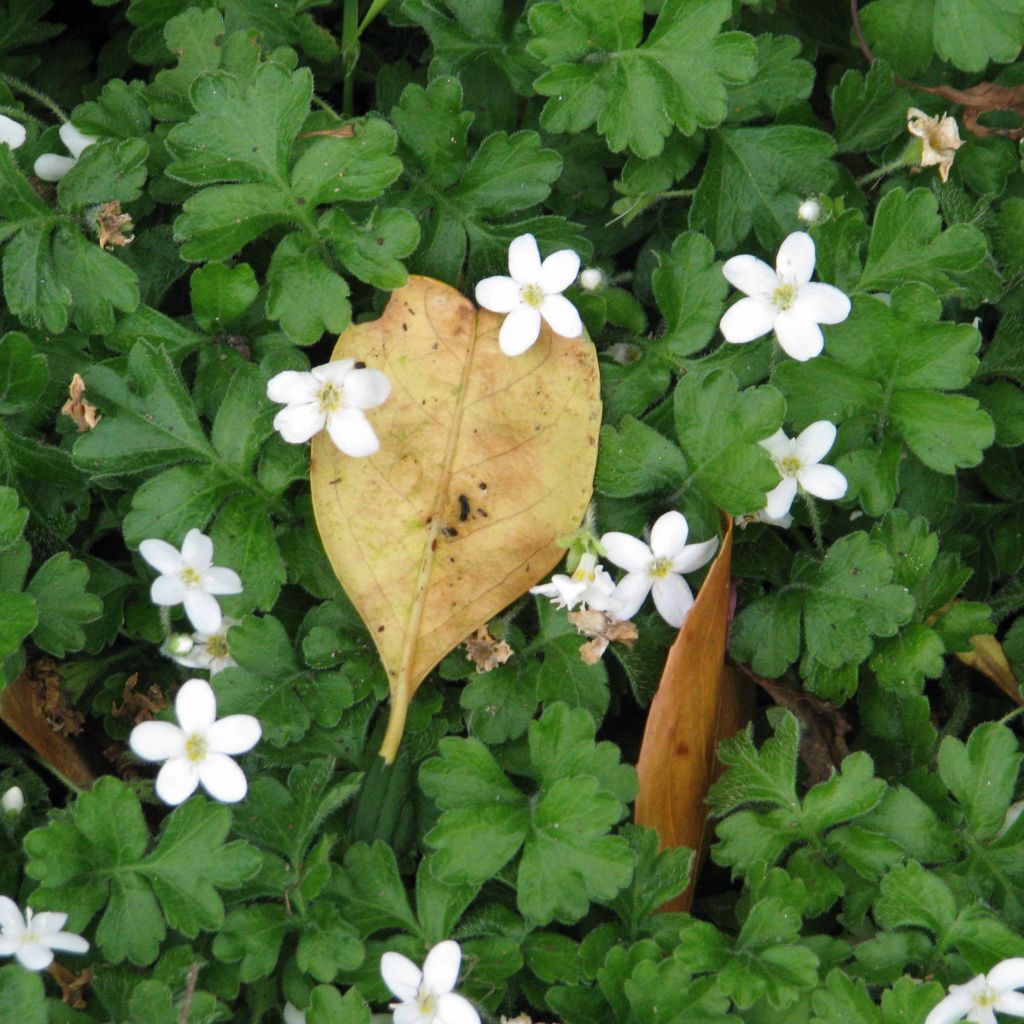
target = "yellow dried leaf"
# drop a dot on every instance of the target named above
(485, 461)
(988, 659)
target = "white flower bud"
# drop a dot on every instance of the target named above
(179, 644)
(809, 211)
(13, 801)
(591, 279)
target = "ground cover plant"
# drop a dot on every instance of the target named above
(379, 383)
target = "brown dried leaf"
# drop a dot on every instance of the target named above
(111, 224)
(71, 984)
(139, 707)
(485, 652)
(345, 131)
(604, 630)
(979, 99)
(988, 659)
(77, 408)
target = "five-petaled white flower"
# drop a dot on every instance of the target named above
(796, 459)
(428, 995)
(11, 132)
(940, 139)
(980, 998)
(53, 167)
(658, 567)
(208, 651)
(189, 577)
(784, 299)
(589, 586)
(333, 395)
(533, 291)
(34, 937)
(197, 749)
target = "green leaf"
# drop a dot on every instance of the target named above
(781, 80)
(910, 895)
(843, 1000)
(868, 109)
(103, 173)
(244, 418)
(175, 501)
(63, 604)
(22, 997)
(944, 431)
(634, 459)
(765, 775)
(12, 518)
(303, 293)
(23, 373)
(900, 31)
(904, 662)
(220, 294)
(253, 936)
(971, 33)
(603, 73)
(373, 891)
(373, 251)
(432, 124)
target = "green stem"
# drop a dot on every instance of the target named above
(324, 105)
(375, 8)
(40, 97)
(812, 513)
(21, 115)
(349, 53)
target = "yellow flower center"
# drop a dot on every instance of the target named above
(986, 997)
(196, 747)
(532, 295)
(191, 578)
(330, 397)
(426, 1003)
(660, 567)
(788, 465)
(218, 646)
(783, 296)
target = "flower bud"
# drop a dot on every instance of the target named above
(809, 211)
(591, 279)
(179, 644)
(13, 801)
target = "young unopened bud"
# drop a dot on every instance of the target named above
(809, 211)
(179, 644)
(591, 279)
(13, 802)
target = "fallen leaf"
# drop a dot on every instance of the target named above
(77, 408)
(983, 98)
(485, 461)
(345, 131)
(988, 659)
(700, 700)
(138, 707)
(71, 984)
(485, 652)
(603, 630)
(111, 225)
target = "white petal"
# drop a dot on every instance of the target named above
(800, 338)
(673, 599)
(51, 167)
(748, 319)
(456, 1009)
(11, 132)
(234, 735)
(12, 921)
(1011, 1003)
(441, 968)
(293, 388)
(74, 139)
(164, 557)
(176, 781)
(352, 433)
(823, 482)
(627, 552)
(519, 331)
(954, 1007)
(35, 957)
(8, 945)
(219, 580)
(365, 389)
(1006, 975)
(795, 261)
(157, 741)
(293, 1015)
(196, 706)
(202, 609)
(668, 535)
(815, 442)
(298, 423)
(47, 923)
(409, 1013)
(334, 372)
(524, 260)
(559, 271)
(498, 294)
(562, 316)
(197, 550)
(821, 303)
(778, 445)
(631, 593)
(222, 778)
(780, 500)
(401, 976)
(693, 556)
(750, 275)
(167, 590)
(67, 942)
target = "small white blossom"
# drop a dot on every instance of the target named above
(13, 801)
(589, 586)
(940, 139)
(197, 749)
(51, 166)
(591, 279)
(534, 290)
(797, 460)
(189, 577)
(980, 998)
(785, 300)
(785, 521)
(428, 996)
(11, 132)
(333, 396)
(179, 644)
(209, 651)
(293, 1015)
(32, 938)
(658, 566)
(809, 211)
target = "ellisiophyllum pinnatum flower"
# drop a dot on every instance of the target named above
(428, 996)
(11, 132)
(209, 651)
(189, 577)
(978, 999)
(52, 166)
(657, 566)
(532, 291)
(198, 749)
(333, 396)
(797, 460)
(785, 300)
(940, 139)
(589, 586)
(32, 938)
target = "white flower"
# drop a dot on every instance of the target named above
(208, 651)
(940, 139)
(785, 521)
(13, 801)
(293, 1015)
(657, 566)
(333, 395)
(533, 291)
(50, 166)
(427, 996)
(178, 645)
(591, 279)
(196, 750)
(978, 1000)
(797, 460)
(189, 577)
(11, 132)
(34, 937)
(589, 586)
(784, 299)
(809, 211)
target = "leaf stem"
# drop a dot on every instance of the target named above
(20, 115)
(349, 53)
(324, 105)
(812, 512)
(375, 8)
(40, 97)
